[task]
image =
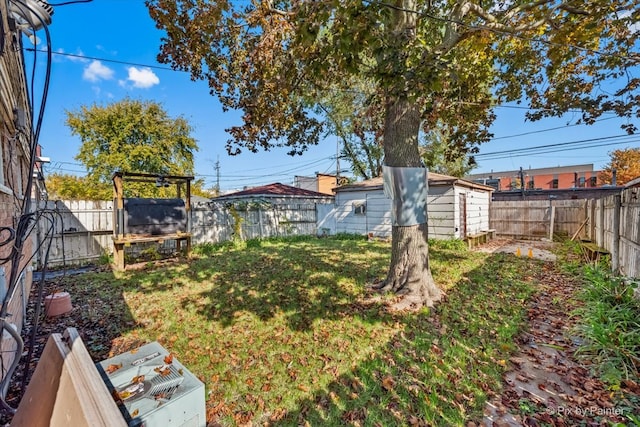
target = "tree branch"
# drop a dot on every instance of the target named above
(267, 6)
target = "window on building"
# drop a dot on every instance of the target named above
(530, 184)
(593, 181)
(360, 208)
(581, 181)
(554, 183)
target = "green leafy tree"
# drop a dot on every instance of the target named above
(441, 157)
(353, 114)
(432, 60)
(72, 187)
(132, 136)
(626, 163)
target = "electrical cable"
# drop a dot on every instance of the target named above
(23, 222)
(561, 144)
(38, 306)
(65, 3)
(533, 132)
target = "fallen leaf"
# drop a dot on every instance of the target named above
(388, 383)
(112, 368)
(135, 413)
(168, 359)
(138, 379)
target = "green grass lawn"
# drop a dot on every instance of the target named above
(283, 332)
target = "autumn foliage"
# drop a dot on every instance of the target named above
(626, 163)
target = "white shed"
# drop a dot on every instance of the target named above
(456, 208)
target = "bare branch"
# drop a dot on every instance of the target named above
(267, 6)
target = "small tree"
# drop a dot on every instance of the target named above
(72, 187)
(441, 157)
(132, 136)
(626, 163)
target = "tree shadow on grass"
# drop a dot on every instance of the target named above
(302, 281)
(440, 369)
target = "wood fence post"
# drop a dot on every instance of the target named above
(615, 247)
(553, 220)
(592, 219)
(601, 204)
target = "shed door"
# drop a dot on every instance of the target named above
(463, 215)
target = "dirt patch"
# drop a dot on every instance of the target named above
(546, 384)
(537, 249)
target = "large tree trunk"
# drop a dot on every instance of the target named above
(409, 273)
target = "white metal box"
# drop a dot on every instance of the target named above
(152, 388)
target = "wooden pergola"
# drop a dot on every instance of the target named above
(121, 239)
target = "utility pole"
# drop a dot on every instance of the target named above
(217, 169)
(337, 160)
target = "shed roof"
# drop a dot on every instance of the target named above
(274, 190)
(633, 183)
(434, 179)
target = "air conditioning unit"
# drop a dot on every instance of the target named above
(152, 388)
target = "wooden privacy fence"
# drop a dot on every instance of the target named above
(611, 222)
(535, 219)
(615, 225)
(82, 231)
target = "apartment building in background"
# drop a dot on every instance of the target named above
(560, 177)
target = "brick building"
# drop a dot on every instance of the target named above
(561, 177)
(17, 184)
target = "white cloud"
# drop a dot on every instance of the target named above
(142, 78)
(78, 56)
(97, 71)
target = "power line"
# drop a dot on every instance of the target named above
(582, 141)
(115, 61)
(548, 129)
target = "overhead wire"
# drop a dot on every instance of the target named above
(561, 144)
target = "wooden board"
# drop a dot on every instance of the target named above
(66, 389)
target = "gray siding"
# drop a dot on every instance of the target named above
(477, 210)
(376, 218)
(442, 212)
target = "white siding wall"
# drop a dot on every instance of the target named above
(377, 216)
(441, 211)
(477, 210)
(377, 220)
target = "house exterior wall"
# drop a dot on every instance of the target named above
(306, 183)
(375, 219)
(477, 211)
(321, 183)
(326, 184)
(14, 166)
(442, 212)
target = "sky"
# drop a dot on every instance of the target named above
(105, 50)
